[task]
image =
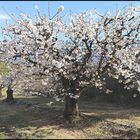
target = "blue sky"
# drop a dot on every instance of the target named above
(74, 6)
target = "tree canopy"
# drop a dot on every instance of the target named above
(76, 54)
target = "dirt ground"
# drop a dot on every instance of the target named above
(32, 118)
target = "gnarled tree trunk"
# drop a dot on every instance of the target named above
(10, 97)
(0, 92)
(71, 109)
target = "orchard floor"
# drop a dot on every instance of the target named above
(38, 120)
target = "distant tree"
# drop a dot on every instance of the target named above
(3, 71)
(10, 78)
(1, 87)
(9, 81)
(74, 54)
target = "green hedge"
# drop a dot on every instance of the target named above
(119, 94)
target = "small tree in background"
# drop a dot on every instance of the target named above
(75, 54)
(1, 87)
(9, 80)
(3, 71)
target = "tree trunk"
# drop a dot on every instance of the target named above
(71, 109)
(0, 92)
(10, 97)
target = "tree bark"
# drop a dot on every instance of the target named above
(71, 109)
(10, 97)
(0, 92)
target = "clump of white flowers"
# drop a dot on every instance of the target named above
(60, 9)
(36, 7)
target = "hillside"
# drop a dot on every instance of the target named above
(3, 69)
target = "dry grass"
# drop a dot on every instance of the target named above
(40, 121)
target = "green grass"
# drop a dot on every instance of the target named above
(3, 69)
(3, 135)
(39, 121)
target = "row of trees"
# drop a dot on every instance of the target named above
(69, 56)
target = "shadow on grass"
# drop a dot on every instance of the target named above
(39, 114)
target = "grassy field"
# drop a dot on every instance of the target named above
(31, 117)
